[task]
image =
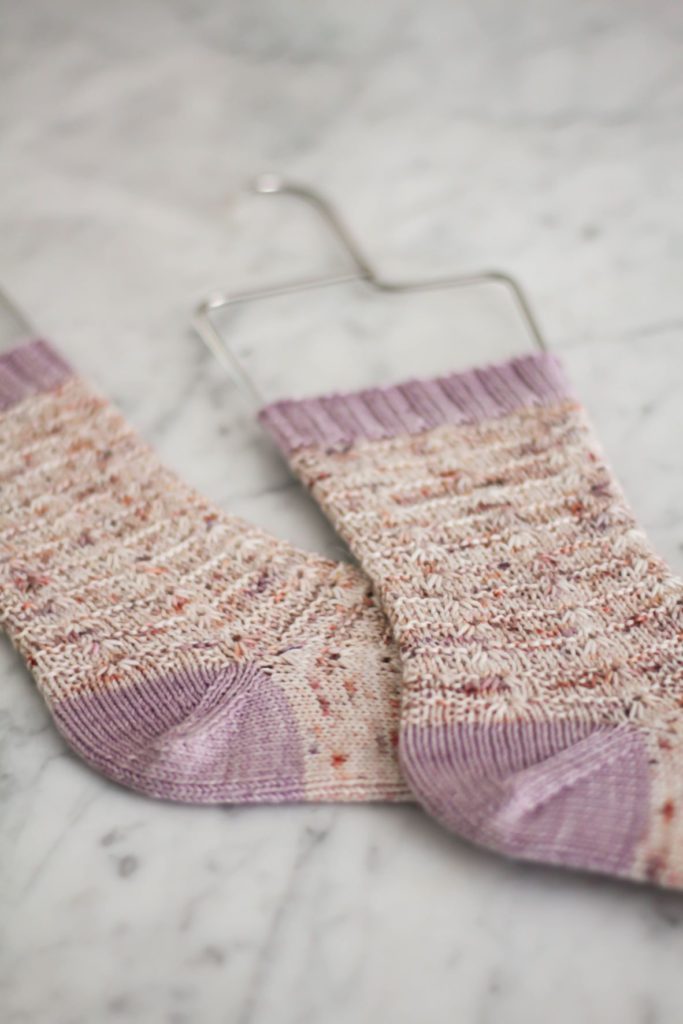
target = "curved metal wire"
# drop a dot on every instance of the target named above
(271, 184)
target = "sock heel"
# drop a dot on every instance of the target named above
(536, 792)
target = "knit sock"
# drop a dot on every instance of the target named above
(540, 637)
(181, 652)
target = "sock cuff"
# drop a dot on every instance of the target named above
(335, 421)
(29, 369)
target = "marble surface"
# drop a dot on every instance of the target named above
(541, 136)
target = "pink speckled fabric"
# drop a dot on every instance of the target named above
(182, 652)
(540, 636)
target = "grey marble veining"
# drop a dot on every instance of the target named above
(542, 136)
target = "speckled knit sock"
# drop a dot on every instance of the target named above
(542, 709)
(180, 651)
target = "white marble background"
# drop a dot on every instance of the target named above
(542, 136)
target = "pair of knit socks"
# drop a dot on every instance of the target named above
(533, 686)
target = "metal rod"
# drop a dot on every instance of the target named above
(271, 184)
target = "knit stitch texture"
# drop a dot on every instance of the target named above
(540, 636)
(181, 652)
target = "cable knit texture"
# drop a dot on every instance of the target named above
(182, 652)
(540, 636)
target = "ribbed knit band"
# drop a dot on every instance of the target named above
(28, 369)
(335, 421)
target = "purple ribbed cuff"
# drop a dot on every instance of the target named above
(335, 421)
(28, 369)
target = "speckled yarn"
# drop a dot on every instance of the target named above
(181, 652)
(541, 643)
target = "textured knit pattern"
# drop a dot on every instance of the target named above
(542, 707)
(181, 652)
